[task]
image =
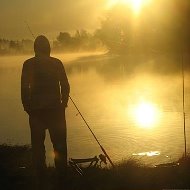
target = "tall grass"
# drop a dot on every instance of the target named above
(16, 173)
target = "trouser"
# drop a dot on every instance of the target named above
(54, 121)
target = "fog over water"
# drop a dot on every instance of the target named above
(115, 94)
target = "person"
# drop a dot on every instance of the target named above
(45, 93)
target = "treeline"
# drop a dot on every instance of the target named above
(81, 40)
(161, 27)
(15, 47)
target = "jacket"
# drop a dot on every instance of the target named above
(44, 83)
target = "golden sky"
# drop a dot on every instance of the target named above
(48, 16)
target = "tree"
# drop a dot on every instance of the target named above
(64, 38)
(115, 31)
(163, 27)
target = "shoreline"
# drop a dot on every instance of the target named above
(17, 173)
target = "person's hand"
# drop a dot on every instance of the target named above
(63, 105)
(27, 110)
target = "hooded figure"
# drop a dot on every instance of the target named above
(41, 46)
(44, 93)
(43, 78)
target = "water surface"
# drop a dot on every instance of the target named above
(132, 103)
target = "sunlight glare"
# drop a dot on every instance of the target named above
(136, 5)
(149, 154)
(145, 114)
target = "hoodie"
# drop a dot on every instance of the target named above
(44, 84)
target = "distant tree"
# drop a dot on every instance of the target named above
(81, 40)
(64, 41)
(4, 46)
(161, 27)
(64, 38)
(115, 31)
(15, 46)
(18, 47)
(27, 45)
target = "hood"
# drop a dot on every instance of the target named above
(42, 46)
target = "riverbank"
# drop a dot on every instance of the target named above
(16, 173)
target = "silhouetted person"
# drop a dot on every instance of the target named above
(45, 91)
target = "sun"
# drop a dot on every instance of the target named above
(136, 5)
(145, 114)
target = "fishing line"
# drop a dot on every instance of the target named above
(29, 29)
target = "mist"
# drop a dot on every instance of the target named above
(48, 17)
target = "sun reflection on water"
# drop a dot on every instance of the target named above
(145, 114)
(149, 154)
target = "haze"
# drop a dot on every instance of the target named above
(47, 16)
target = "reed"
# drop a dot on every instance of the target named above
(16, 173)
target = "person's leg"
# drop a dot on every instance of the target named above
(58, 135)
(37, 140)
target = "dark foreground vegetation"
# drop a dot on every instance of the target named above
(16, 173)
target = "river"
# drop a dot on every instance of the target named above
(132, 103)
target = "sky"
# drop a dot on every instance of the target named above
(48, 17)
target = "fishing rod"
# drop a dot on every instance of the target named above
(184, 115)
(101, 147)
(103, 150)
(29, 29)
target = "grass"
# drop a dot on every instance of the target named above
(16, 173)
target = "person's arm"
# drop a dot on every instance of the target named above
(25, 88)
(65, 87)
